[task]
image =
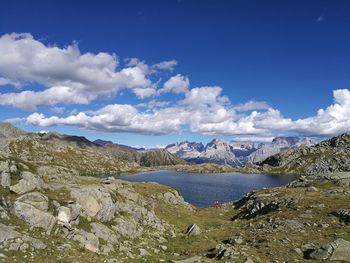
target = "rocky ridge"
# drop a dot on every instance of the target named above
(233, 153)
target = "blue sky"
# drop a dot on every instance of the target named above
(289, 58)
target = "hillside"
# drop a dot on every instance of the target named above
(48, 213)
(329, 156)
(77, 153)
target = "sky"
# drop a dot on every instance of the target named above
(150, 73)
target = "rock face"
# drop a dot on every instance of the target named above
(232, 153)
(29, 182)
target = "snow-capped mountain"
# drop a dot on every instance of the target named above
(233, 153)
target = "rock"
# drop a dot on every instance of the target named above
(341, 251)
(87, 240)
(338, 250)
(193, 230)
(103, 232)
(36, 243)
(312, 189)
(164, 248)
(342, 214)
(248, 260)
(223, 251)
(5, 179)
(36, 199)
(34, 216)
(196, 259)
(95, 202)
(4, 166)
(64, 215)
(3, 213)
(144, 252)
(128, 228)
(28, 183)
(7, 233)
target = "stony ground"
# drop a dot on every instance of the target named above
(48, 215)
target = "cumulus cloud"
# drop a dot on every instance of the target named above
(204, 110)
(78, 78)
(67, 76)
(177, 84)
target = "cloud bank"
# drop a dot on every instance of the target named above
(66, 76)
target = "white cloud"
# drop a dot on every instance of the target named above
(176, 84)
(77, 78)
(255, 139)
(166, 65)
(204, 110)
(251, 105)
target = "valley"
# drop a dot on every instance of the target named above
(62, 201)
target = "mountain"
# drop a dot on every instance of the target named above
(329, 156)
(78, 153)
(159, 157)
(233, 153)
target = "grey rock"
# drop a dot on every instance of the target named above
(105, 233)
(196, 259)
(95, 202)
(144, 252)
(342, 214)
(5, 179)
(87, 240)
(34, 216)
(223, 252)
(36, 199)
(128, 228)
(193, 230)
(7, 233)
(248, 260)
(341, 251)
(28, 183)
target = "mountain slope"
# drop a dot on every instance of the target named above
(78, 153)
(329, 156)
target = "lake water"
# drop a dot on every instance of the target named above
(202, 190)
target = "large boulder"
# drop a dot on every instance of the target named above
(28, 183)
(33, 213)
(95, 202)
(341, 251)
(36, 199)
(87, 240)
(103, 232)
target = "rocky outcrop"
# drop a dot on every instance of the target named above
(326, 157)
(28, 183)
(32, 208)
(95, 202)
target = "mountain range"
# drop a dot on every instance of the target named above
(233, 153)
